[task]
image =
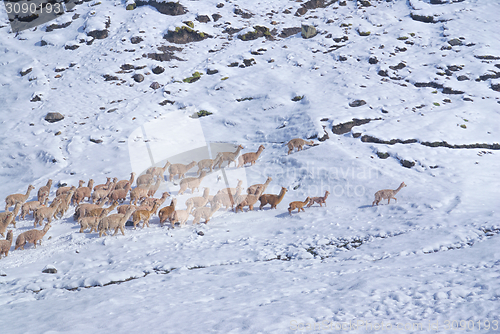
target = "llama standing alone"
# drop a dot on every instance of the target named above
(387, 194)
(272, 199)
(17, 198)
(320, 200)
(32, 236)
(298, 143)
(250, 157)
(297, 205)
(6, 244)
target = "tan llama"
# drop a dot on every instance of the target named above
(17, 198)
(387, 194)
(298, 143)
(320, 200)
(250, 158)
(297, 205)
(274, 200)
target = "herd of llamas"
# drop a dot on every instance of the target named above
(89, 201)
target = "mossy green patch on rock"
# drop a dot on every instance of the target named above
(130, 6)
(259, 31)
(190, 24)
(297, 98)
(194, 77)
(185, 34)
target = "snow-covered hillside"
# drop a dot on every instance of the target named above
(390, 91)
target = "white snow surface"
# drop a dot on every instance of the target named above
(431, 257)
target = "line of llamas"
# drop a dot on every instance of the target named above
(95, 217)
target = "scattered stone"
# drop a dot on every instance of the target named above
(136, 39)
(455, 42)
(130, 6)
(357, 103)
(167, 8)
(487, 57)
(325, 135)
(286, 32)
(112, 110)
(308, 31)
(220, 5)
(341, 39)
(23, 73)
(36, 98)
(365, 3)
(71, 47)
(108, 77)
(193, 78)
(165, 102)
(49, 269)
(234, 64)
(397, 67)
(138, 77)
(210, 72)
(53, 117)
(158, 70)
(203, 18)
(383, 155)
(2, 273)
(216, 17)
(98, 34)
(298, 98)
(231, 30)
(407, 163)
(468, 99)
(97, 141)
(200, 233)
(343, 128)
(127, 67)
(462, 78)
(249, 62)
(259, 31)
(428, 84)
(448, 90)
(495, 87)
(155, 85)
(484, 77)
(373, 60)
(57, 26)
(312, 4)
(422, 18)
(185, 34)
(342, 58)
(243, 14)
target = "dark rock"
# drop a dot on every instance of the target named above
(342, 3)
(383, 155)
(422, 18)
(158, 70)
(287, 11)
(166, 56)
(138, 77)
(235, 64)
(454, 68)
(243, 14)
(428, 84)
(325, 135)
(249, 62)
(397, 67)
(343, 128)
(112, 110)
(231, 30)
(495, 87)
(220, 5)
(71, 47)
(97, 141)
(75, 16)
(127, 67)
(136, 39)
(370, 139)
(53, 117)
(301, 11)
(487, 57)
(167, 8)
(49, 270)
(185, 35)
(341, 39)
(210, 72)
(365, 3)
(438, 2)
(373, 60)
(62, 69)
(36, 98)
(155, 85)
(383, 73)
(259, 31)
(203, 18)
(468, 99)
(216, 17)
(455, 42)
(23, 73)
(342, 58)
(312, 4)
(484, 77)
(329, 36)
(200, 233)
(407, 163)
(357, 103)
(286, 32)
(98, 34)
(57, 26)
(165, 102)
(448, 90)
(108, 77)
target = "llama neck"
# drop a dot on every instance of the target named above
(282, 194)
(399, 188)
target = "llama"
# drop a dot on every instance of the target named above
(253, 189)
(83, 192)
(249, 200)
(191, 183)
(32, 236)
(139, 193)
(44, 191)
(205, 213)
(167, 212)
(123, 183)
(272, 199)
(232, 191)
(65, 190)
(104, 185)
(120, 194)
(158, 171)
(154, 187)
(298, 143)
(6, 244)
(387, 194)
(181, 216)
(145, 179)
(180, 169)
(205, 163)
(149, 202)
(116, 221)
(198, 202)
(227, 156)
(103, 194)
(250, 157)
(297, 205)
(83, 209)
(47, 212)
(92, 220)
(320, 200)
(17, 198)
(65, 202)
(226, 200)
(31, 206)
(8, 217)
(143, 215)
